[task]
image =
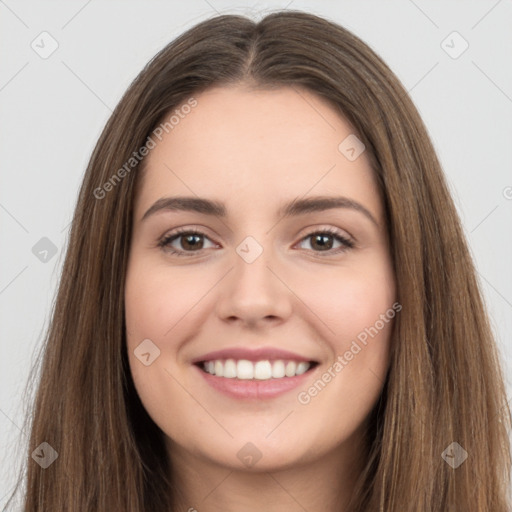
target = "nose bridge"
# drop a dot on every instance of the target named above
(253, 292)
(251, 265)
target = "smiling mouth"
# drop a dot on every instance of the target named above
(265, 369)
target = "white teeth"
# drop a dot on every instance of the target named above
(230, 369)
(263, 370)
(278, 369)
(244, 369)
(301, 368)
(290, 368)
(260, 370)
(219, 368)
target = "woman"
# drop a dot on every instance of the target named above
(274, 369)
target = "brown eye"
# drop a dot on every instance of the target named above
(183, 241)
(191, 241)
(322, 241)
(325, 240)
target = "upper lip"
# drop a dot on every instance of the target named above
(255, 354)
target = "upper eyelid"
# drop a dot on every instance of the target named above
(307, 231)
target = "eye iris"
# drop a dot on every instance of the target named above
(320, 239)
(187, 239)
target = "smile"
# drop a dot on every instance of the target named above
(244, 369)
(254, 380)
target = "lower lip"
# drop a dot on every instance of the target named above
(254, 389)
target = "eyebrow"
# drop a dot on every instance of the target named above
(291, 209)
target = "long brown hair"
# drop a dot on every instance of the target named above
(444, 383)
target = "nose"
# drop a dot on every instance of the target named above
(254, 293)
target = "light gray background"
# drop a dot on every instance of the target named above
(52, 111)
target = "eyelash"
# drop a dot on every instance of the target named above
(164, 242)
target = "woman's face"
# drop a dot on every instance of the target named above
(273, 282)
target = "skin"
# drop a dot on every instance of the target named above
(254, 150)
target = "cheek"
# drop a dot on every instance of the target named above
(158, 306)
(349, 300)
(357, 306)
(156, 300)
(361, 308)
(365, 314)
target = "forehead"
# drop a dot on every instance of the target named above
(252, 146)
